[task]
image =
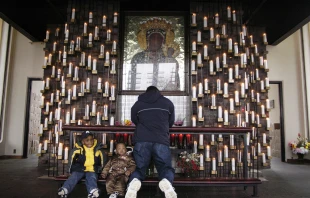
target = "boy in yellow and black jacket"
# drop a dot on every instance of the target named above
(86, 161)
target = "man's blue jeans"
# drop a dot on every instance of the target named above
(161, 154)
(90, 180)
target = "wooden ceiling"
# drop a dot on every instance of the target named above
(281, 18)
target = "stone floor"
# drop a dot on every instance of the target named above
(21, 178)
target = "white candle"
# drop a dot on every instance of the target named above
(211, 66)
(90, 37)
(93, 110)
(90, 16)
(268, 151)
(200, 111)
(200, 139)
(236, 49)
(213, 100)
(207, 151)
(104, 138)
(220, 112)
(195, 147)
(232, 142)
(94, 64)
(198, 36)
(40, 148)
(263, 157)
(264, 38)
(228, 12)
(263, 109)
(85, 28)
(248, 139)
(47, 107)
(213, 164)
(225, 151)
(230, 73)
(47, 36)
(112, 91)
(205, 22)
(218, 85)
(194, 18)
(217, 40)
(96, 31)
(230, 44)
(225, 88)
(106, 88)
(108, 35)
(224, 58)
(268, 122)
(45, 123)
(223, 29)
(73, 14)
(236, 96)
(231, 104)
(111, 146)
(82, 87)
(264, 138)
(76, 72)
(200, 89)
(194, 121)
(225, 115)
(206, 84)
(68, 118)
(233, 164)
(237, 71)
(114, 46)
(194, 46)
(257, 119)
(69, 94)
(258, 148)
(67, 34)
(88, 83)
(50, 119)
(107, 57)
(212, 138)
(205, 50)
(104, 20)
(87, 111)
(194, 92)
(99, 83)
(242, 89)
(66, 153)
(219, 156)
(60, 147)
(211, 33)
(45, 145)
(262, 85)
(115, 17)
(201, 160)
(199, 58)
(193, 65)
(267, 82)
(105, 110)
(234, 16)
(73, 114)
(112, 121)
(101, 49)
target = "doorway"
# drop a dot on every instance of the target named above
(32, 117)
(276, 115)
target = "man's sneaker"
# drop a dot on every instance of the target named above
(114, 195)
(94, 193)
(167, 188)
(62, 192)
(133, 188)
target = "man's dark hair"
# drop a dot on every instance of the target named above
(152, 88)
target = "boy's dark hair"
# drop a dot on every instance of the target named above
(85, 134)
(152, 88)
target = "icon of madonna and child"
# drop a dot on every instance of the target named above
(152, 53)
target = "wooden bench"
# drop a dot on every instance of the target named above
(197, 181)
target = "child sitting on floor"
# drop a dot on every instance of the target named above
(117, 171)
(86, 161)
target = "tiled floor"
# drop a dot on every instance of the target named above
(21, 178)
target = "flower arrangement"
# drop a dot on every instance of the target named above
(301, 146)
(188, 162)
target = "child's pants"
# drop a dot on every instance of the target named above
(117, 183)
(90, 180)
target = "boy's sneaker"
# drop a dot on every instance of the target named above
(114, 195)
(62, 192)
(167, 188)
(133, 188)
(94, 193)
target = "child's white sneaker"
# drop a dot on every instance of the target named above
(133, 188)
(62, 192)
(94, 193)
(167, 188)
(113, 195)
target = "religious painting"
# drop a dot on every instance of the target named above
(153, 53)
